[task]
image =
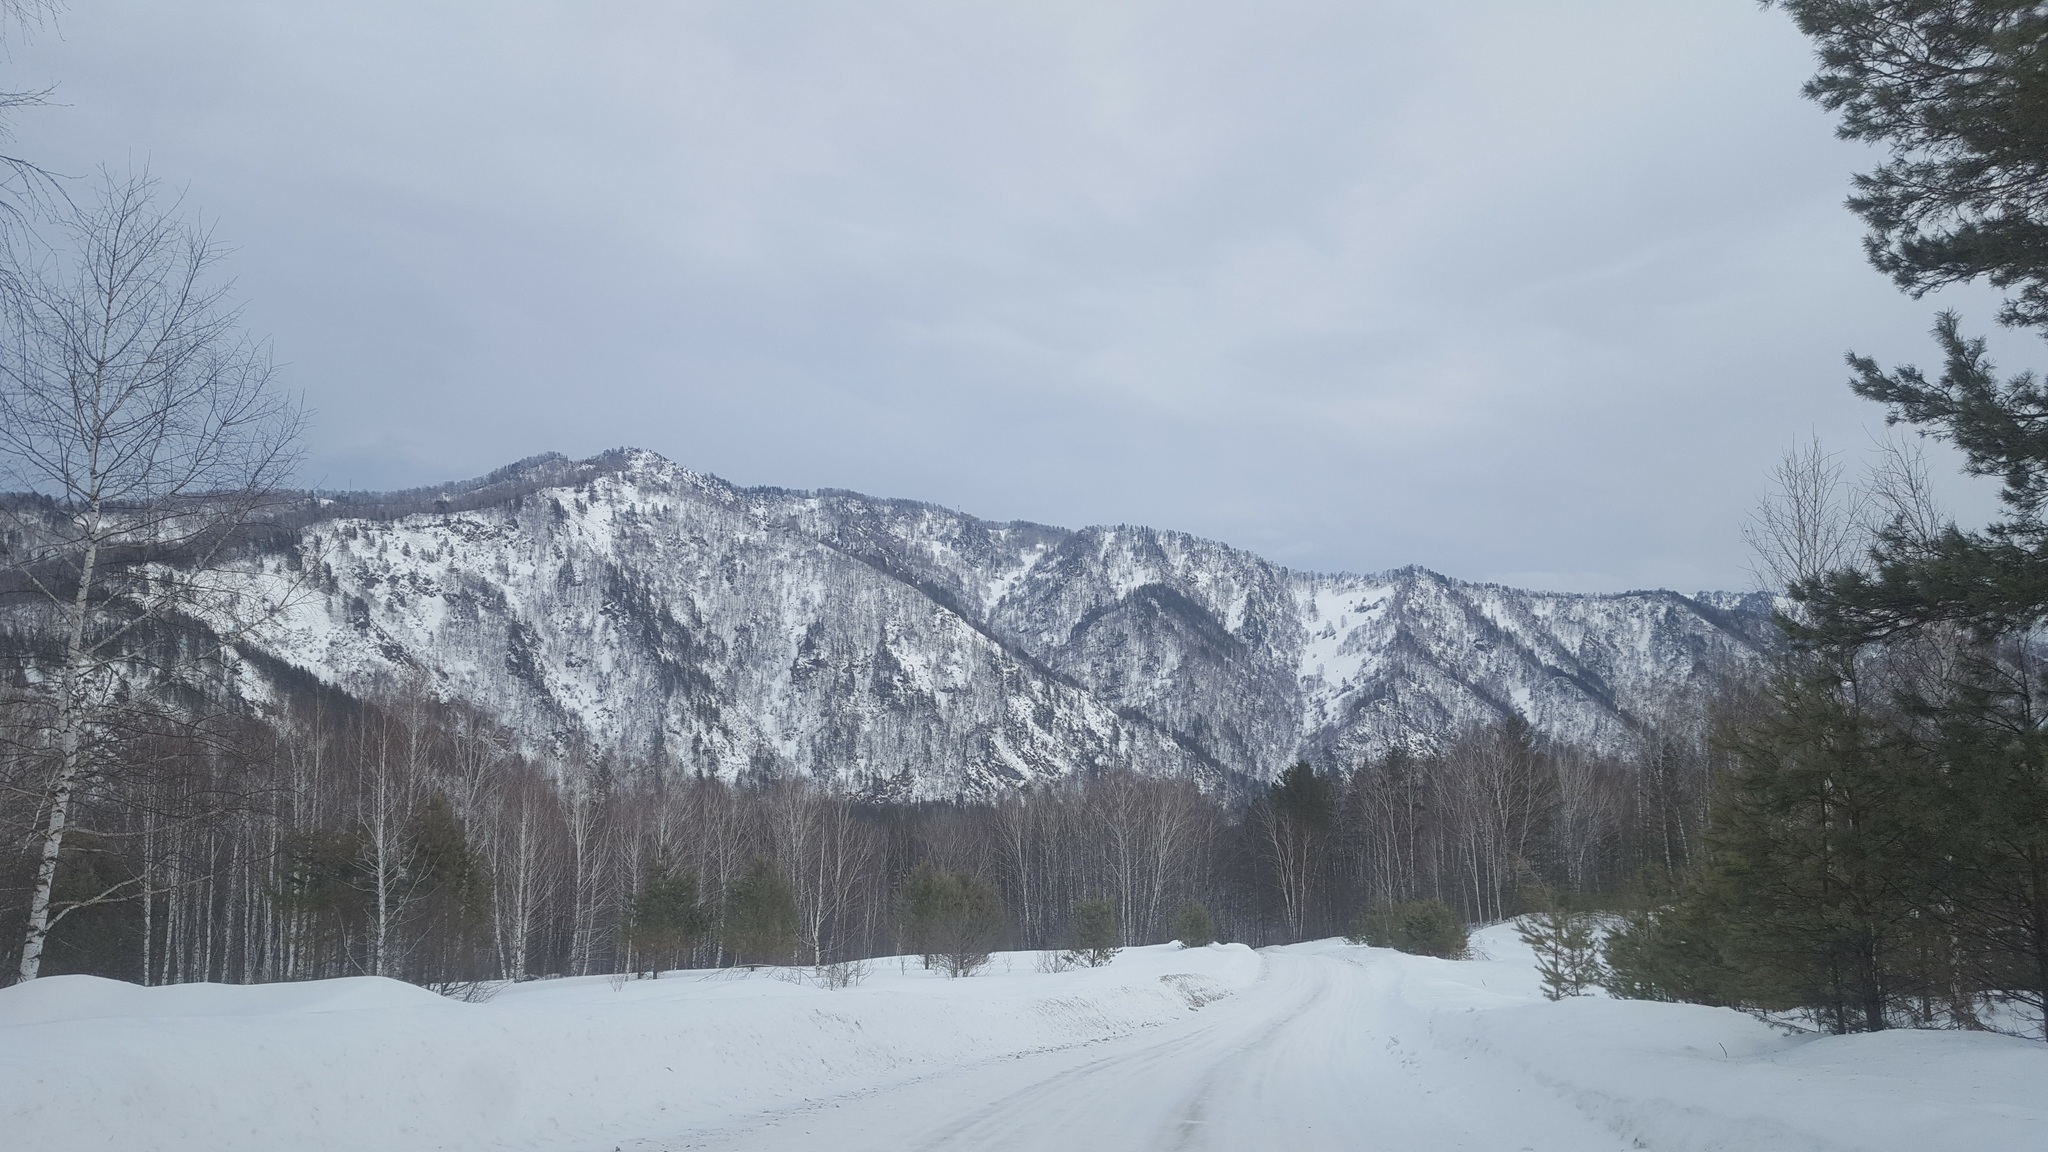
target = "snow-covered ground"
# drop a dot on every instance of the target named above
(1310, 1046)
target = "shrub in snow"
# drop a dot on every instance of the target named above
(1421, 927)
(469, 991)
(841, 974)
(1054, 960)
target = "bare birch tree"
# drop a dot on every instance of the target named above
(139, 428)
(584, 801)
(1813, 520)
(826, 852)
(523, 862)
(391, 789)
(24, 184)
(1147, 831)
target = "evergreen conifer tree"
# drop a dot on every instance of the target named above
(1814, 843)
(1194, 927)
(1957, 91)
(953, 919)
(453, 896)
(1093, 931)
(1292, 822)
(1567, 947)
(761, 916)
(1418, 927)
(665, 922)
(1816, 891)
(1672, 952)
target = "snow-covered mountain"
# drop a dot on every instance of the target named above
(627, 603)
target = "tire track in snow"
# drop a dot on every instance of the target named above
(1310, 1056)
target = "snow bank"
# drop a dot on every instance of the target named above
(375, 1064)
(74, 998)
(1687, 1078)
(1216, 1047)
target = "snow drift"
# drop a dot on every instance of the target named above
(1313, 1045)
(367, 1063)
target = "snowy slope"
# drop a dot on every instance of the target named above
(1311, 1046)
(659, 612)
(909, 650)
(1399, 657)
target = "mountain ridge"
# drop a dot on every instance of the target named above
(900, 648)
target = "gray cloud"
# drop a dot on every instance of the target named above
(1522, 292)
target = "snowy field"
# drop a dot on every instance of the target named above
(1319, 1045)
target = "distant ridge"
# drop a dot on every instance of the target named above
(626, 604)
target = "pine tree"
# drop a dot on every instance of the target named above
(1811, 895)
(1957, 91)
(1418, 927)
(953, 919)
(1811, 838)
(761, 916)
(1984, 808)
(1673, 952)
(1567, 947)
(1194, 928)
(924, 906)
(1292, 821)
(1092, 932)
(665, 922)
(453, 902)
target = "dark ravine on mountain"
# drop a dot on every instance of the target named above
(627, 605)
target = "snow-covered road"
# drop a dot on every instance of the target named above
(1310, 1056)
(1320, 1045)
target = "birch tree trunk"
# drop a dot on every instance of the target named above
(129, 401)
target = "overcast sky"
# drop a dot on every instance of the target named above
(1523, 292)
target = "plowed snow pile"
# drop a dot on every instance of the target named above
(1310, 1046)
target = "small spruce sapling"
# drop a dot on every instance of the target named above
(1567, 949)
(1194, 928)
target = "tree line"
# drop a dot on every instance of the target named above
(407, 838)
